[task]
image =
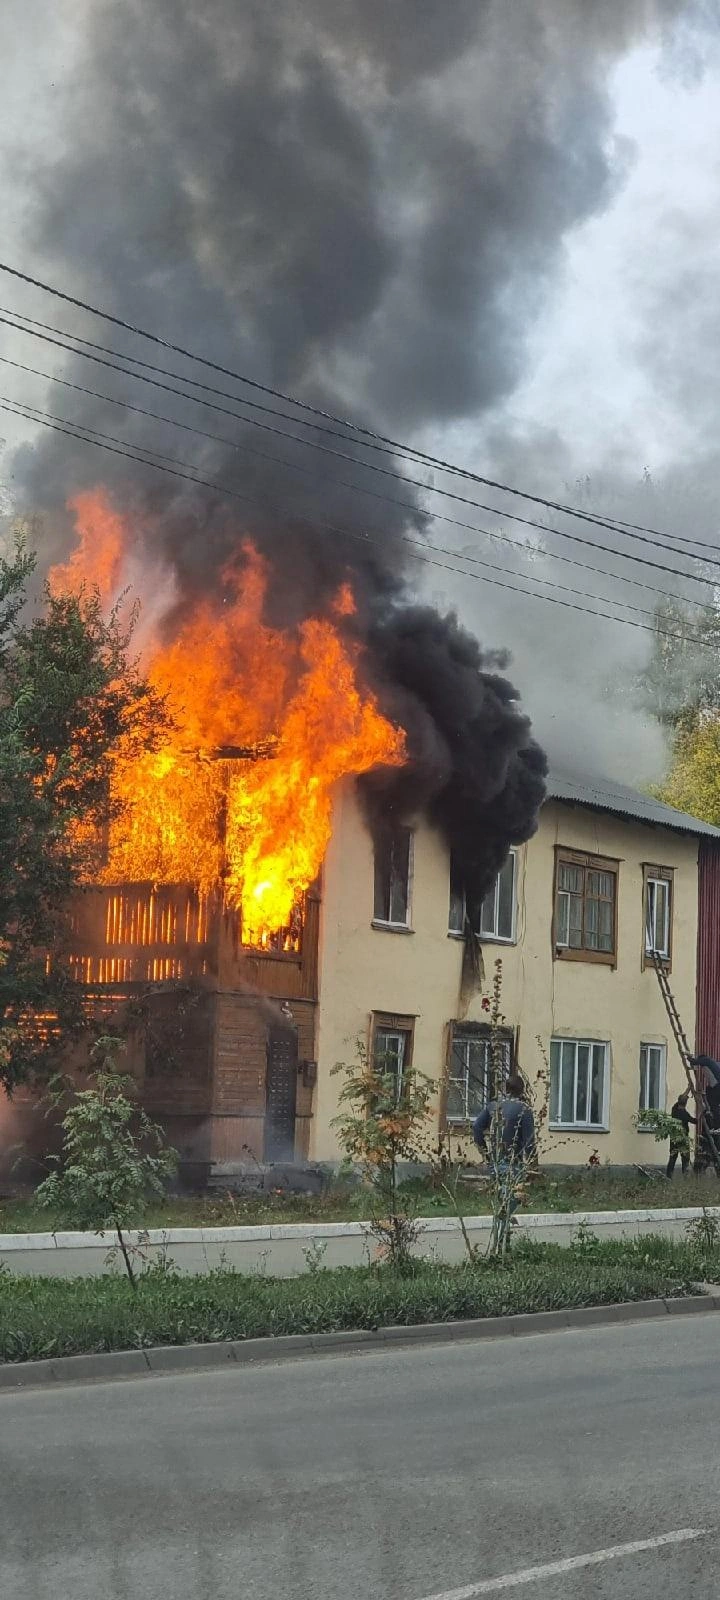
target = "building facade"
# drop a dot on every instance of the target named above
(608, 873)
(234, 1047)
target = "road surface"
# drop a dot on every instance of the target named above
(399, 1475)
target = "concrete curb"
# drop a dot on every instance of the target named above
(248, 1352)
(265, 1233)
(282, 1250)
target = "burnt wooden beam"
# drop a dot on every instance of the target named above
(263, 751)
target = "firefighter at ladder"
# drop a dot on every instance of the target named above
(707, 1146)
(680, 1147)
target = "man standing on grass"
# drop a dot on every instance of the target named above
(514, 1141)
(510, 1123)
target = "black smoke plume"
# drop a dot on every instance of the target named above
(475, 770)
(358, 201)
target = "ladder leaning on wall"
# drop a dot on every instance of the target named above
(706, 1137)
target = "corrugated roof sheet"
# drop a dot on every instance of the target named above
(606, 795)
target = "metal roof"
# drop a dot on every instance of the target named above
(604, 794)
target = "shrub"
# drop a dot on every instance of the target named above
(53, 1317)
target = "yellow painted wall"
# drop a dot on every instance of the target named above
(364, 969)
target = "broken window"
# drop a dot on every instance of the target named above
(497, 910)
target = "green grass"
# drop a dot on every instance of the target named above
(54, 1317)
(582, 1191)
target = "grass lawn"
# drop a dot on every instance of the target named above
(54, 1316)
(582, 1191)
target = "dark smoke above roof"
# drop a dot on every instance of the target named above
(361, 202)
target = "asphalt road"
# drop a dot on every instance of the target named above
(384, 1476)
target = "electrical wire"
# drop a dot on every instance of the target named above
(226, 491)
(296, 466)
(544, 528)
(241, 400)
(390, 445)
(38, 415)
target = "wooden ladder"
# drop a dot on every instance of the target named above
(705, 1135)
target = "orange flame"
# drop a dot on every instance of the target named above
(203, 809)
(344, 602)
(97, 560)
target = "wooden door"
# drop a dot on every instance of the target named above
(281, 1094)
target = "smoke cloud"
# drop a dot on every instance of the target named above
(363, 204)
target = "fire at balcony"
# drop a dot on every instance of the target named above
(214, 992)
(199, 918)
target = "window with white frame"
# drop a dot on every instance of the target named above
(393, 867)
(578, 1083)
(470, 1072)
(652, 1077)
(391, 1052)
(497, 910)
(658, 911)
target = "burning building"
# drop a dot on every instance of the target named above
(362, 208)
(204, 923)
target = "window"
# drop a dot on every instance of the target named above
(392, 1047)
(578, 1083)
(652, 1077)
(585, 907)
(393, 857)
(497, 910)
(658, 911)
(456, 917)
(470, 1074)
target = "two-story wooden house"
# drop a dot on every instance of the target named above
(234, 1046)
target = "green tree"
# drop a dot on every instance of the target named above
(113, 1156)
(681, 687)
(693, 783)
(380, 1126)
(70, 697)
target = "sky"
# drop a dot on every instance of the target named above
(530, 202)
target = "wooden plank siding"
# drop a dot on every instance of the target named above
(205, 1002)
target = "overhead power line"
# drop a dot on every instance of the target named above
(542, 527)
(297, 466)
(393, 445)
(407, 453)
(225, 491)
(36, 414)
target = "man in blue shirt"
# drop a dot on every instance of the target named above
(510, 1123)
(517, 1126)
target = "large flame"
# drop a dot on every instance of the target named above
(264, 724)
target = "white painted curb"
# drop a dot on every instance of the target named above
(287, 1249)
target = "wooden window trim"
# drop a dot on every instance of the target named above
(396, 1022)
(667, 875)
(585, 858)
